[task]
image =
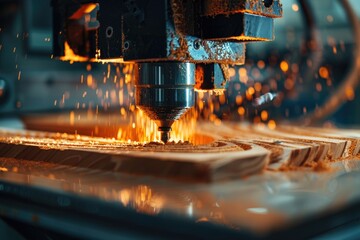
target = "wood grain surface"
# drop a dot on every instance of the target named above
(231, 150)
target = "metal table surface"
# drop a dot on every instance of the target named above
(94, 204)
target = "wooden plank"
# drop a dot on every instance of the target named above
(283, 151)
(295, 146)
(230, 150)
(220, 159)
(296, 153)
(336, 147)
(351, 135)
(342, 146)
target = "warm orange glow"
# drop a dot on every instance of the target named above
(261, 64)
(239, 100)
(146, 201)
(295, 7)
(232, 72)
(200, 105)
(248, 38)
(241, 111)
(222, 99)
(334, 50)
(125, 195)
(264, 115)
(144, 130)
(69, 55)
(199, 77)
(258, 87)
(89, 80)
(72, 118)
(243, 75)
(251, 91)
(324, 72)
(84, 9)
(350, 95)
(272, 124)
(284, 66)
(142, 198)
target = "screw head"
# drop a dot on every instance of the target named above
(196, 44)
(109, 31)
(126, 45)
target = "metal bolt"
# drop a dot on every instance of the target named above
(197, 44)
(126, 45)
(109, 31)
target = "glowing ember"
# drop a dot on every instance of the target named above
(272, 124)
(324, 72)
(284, 66)
(69, 55)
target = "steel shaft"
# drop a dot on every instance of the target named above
(165, 91)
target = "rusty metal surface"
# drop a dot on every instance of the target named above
(260, 7)
(239, 27)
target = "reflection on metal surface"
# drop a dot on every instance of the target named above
(141, 198)
(190, 210)
(125, 197)
(242, 204)
(258, 210)
(146, 201)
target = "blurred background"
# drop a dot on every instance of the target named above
(308, 75)
(310, 63)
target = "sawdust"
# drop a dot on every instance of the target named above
(216, 146)
(322, 166)
(50, 141)
(288, 168)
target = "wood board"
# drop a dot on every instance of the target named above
(235, 151)
(217, 160)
